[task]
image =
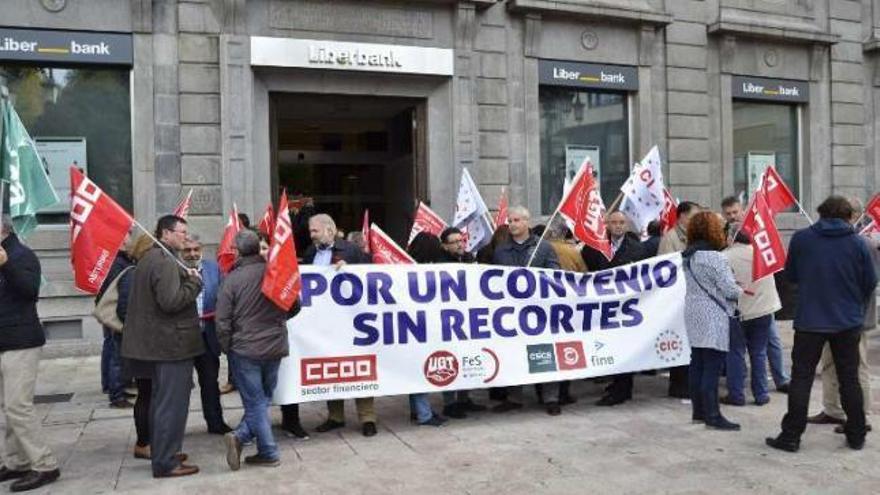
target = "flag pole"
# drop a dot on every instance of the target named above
(615, 203)
(159, 243)
(544, 234)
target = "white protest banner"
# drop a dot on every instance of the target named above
(369, 330)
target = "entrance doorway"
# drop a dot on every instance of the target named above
(351, 153)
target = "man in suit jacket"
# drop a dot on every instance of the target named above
(208, 364)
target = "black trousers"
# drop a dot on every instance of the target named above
(621, 387)
(289, 415)
(142, 411)
(678, 381)
(169, 408)
(207, 368)
(805, 356)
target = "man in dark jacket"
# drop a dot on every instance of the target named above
(253, 332)
(626, 248)
(208, 364)
(111, 360)
(835, 275)
(26, 457)
(518, 252)
(162, 328)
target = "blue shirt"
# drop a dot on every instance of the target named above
(323, 256)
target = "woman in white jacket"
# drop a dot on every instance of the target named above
(757, 304)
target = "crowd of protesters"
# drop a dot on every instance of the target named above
(173, 321)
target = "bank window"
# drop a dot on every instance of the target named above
(576, 123)
(765, 134)
(76, 115)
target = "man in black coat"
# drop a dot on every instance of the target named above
(627, 248)
(26, 457)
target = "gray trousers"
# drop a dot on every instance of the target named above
(169, 407)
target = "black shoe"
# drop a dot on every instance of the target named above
(610, 400)
(329, 425)
(824, 419)
(697, 419)
(762, 402)
(34, 479)
(454, 411)
(121, 404)
(783, 444)
(677, 394)
(295, 430)
(7, 474)
(434, 421)
(553, 409)
(567, 400)
(471, 406)
(721, 423)
(839, 429)
(220, 430)
(129, 395)
(726, 400)
(856, 444)
(783, 389)
(369, 429)
(258, 460)
(506, 406)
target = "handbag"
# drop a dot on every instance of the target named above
(105, 306)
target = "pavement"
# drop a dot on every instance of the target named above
(647, 445)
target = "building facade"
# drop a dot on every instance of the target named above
(375, 104)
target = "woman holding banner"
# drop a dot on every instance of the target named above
(710, 302)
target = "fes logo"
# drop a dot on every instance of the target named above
(541, 358)
(668, 346)
(571, 355)
(441, 368)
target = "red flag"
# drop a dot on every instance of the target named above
(669, 216)
(281, 281)
(267, 222)
(225, 253)
(870, 229)
(365, 230)
(583, 207)
(182, 208)
(98, 227)
(778, 196)
(769, 252)
(873, 209)
(385, 250)
(501, 216)
(426, 221)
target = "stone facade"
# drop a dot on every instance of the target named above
(200, 112)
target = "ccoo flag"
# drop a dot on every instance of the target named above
(225, 254)
(281, 280)
(22, 169)
(98, 227)
(583, 207)
(769, 252)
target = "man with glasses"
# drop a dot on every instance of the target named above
(162, 330)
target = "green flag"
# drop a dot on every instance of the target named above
(27, 184)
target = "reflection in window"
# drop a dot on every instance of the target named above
(79, 103)
(764, 134)
(575, 124)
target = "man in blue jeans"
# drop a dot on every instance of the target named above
(253, 332)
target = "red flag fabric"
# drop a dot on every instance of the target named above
(769, 252)
(267, 221)
(182, 208)
(501, 216)
(583, 207)
(873, 209)
(98, 227)
(365, 230)
(669, 216)
(870, 229)
(778, 196)
(281, 281)
(225, 253)
(385, 250)
(426, 221)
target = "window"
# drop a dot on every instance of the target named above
(577, 123)
(74, 109)
(765, 134)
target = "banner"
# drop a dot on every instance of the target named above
(368, 330)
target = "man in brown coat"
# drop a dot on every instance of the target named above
(162, 329)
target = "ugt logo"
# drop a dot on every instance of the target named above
(441, 368)
(82, 203)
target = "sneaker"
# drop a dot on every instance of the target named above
(258, 460)
(506, 406)
(295, 431)
(434, 421)
(233, 451)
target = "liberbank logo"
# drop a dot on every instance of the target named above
(761, 88)
(586, 75)
(358, 57)
(780, 90)
(35, 45)
(14, 45)
(601, 77)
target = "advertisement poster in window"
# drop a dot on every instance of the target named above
(575, 154)
(58, 154)
(757, 163)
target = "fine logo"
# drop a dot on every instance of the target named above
(541, 358)
(669, 346)
(571, 355)
(441, 368)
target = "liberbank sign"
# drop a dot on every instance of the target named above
(65, 47)
(338, 55)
